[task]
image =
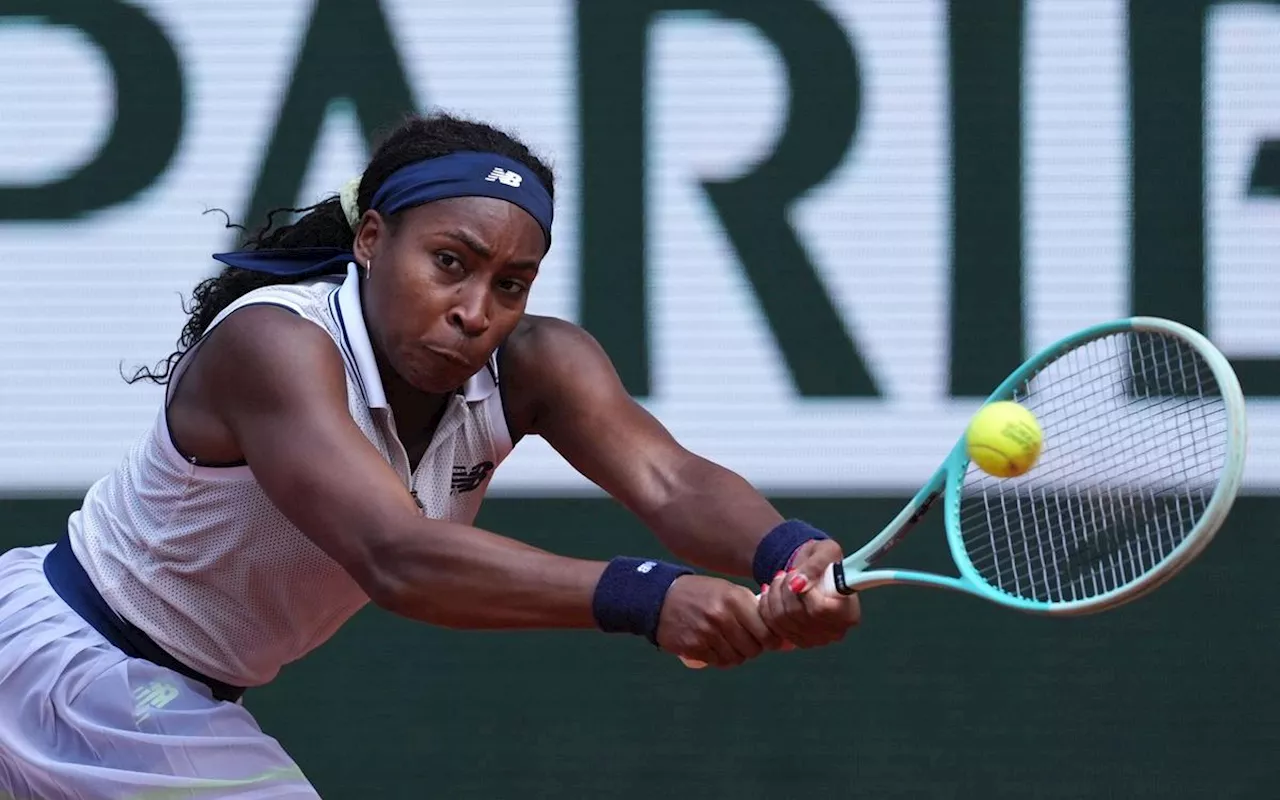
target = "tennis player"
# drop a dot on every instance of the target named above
(339, 400)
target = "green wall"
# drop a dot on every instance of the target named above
(935, 696)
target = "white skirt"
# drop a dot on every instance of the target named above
(80, 719)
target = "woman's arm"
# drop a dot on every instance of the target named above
(562, 386)
(275, 385)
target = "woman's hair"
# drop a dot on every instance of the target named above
(325, 224)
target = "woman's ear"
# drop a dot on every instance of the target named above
(372, 227)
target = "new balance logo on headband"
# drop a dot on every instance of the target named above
(509, 177)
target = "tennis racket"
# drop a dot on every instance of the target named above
(1144, 448)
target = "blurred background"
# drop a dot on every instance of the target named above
(813, 236)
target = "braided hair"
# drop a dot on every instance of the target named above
(324, 224)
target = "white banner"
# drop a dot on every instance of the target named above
(88, 296)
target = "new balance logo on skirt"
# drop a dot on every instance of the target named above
(154, 695)
(467, 480)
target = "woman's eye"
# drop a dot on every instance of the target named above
(513, 287)
(449, 262)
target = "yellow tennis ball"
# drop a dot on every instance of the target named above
(1004, 439)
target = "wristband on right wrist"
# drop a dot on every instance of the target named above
(776, 550)
(630, 593)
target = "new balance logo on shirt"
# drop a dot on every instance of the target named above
(468, 480)
(509, 177)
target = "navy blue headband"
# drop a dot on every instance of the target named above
(464, 174)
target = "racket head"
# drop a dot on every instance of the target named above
(1144, 451)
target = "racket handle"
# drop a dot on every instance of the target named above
(827, 586)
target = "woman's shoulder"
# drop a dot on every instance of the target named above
(541, 359)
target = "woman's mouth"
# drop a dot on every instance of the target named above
(451, 356)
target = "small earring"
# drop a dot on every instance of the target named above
(367, 265)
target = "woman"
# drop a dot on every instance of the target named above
(340, 397)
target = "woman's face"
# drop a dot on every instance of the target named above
(447, 284)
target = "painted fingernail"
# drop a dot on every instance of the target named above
(779, 575)
(764, 587)
(799, 583)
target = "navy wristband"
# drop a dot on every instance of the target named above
(630, 593)
(773, 554)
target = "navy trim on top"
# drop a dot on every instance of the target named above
(345, 344)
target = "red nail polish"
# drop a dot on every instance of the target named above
(799, 583)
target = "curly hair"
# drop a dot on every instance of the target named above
(324, 224)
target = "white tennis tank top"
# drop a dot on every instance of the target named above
(201, 560)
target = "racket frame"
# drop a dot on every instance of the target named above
(852, 574)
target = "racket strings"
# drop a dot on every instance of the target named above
(1140, 450)
(1134, 556)
(1142, 445)
(1095, 514)
(1085, 392)
(1135, 442)
(1078, 519)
